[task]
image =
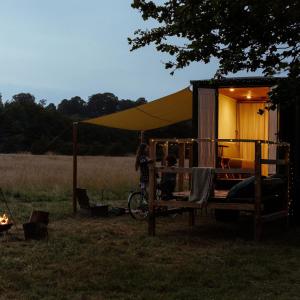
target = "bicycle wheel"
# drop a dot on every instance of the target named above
(138, 206)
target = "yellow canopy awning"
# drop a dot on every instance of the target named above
(162, 112)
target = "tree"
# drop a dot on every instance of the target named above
(74, 107)
(51, 107)
(125, 104)
(102, 104)
(241, 34)
(24, 98)
(141, 101)
(1, 103)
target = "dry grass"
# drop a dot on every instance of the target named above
(113, 258)
(52, 174)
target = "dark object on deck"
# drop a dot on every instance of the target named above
(94, 210)
(36, 228)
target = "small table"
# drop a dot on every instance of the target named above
(221, 149)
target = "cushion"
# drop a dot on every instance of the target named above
(242, 189)
(273, 185)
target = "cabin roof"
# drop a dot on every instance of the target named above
(237, 82)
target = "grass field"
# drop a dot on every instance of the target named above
(50, 176)
(113, 258)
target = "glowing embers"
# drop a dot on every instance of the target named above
(3, 219)
(5, 224)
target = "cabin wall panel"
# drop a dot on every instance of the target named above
(206, 126)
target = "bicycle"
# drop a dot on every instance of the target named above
(138, 206)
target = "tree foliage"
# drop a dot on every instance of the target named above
(72, 108)
(27, 125)
(241, 34)
(102, 104)
(23, 122)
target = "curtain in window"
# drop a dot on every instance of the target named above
(253, 126)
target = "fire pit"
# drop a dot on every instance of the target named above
(5, 225)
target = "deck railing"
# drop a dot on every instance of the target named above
(282, 159)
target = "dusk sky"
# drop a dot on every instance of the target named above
(62, 48)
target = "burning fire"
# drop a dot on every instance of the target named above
(3, 219)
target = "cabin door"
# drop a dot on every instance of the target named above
(206, 127)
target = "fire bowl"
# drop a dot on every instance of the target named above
(5, 227)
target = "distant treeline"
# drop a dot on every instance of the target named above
(27, 125)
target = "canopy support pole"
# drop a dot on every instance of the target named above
(142, 137)
(75, 150)
(152, 189)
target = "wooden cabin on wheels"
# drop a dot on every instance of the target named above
(234, 134)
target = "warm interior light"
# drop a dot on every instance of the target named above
(231, 89)
(248, 97)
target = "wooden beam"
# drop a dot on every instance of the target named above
(165, 148)
(181, 165)
(288, 176)
(274, 216)
(189, 170)
(195, 124)
(152, 189)
(190, 163)
(258, 192)
(234, 171)
(280, 162)
(142, 137)
(209, 205)
(209, 140)
(75, 150)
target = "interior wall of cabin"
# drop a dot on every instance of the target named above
(239, 119)
(227, 125)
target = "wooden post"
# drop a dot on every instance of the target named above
(192, 212)
(258, 193)
(75, 149)
(190, 163)
(287, 174)
(142, 137)
(296, 162)
(195, 124)
(165, 148)
(181, 165)
(152, 188)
